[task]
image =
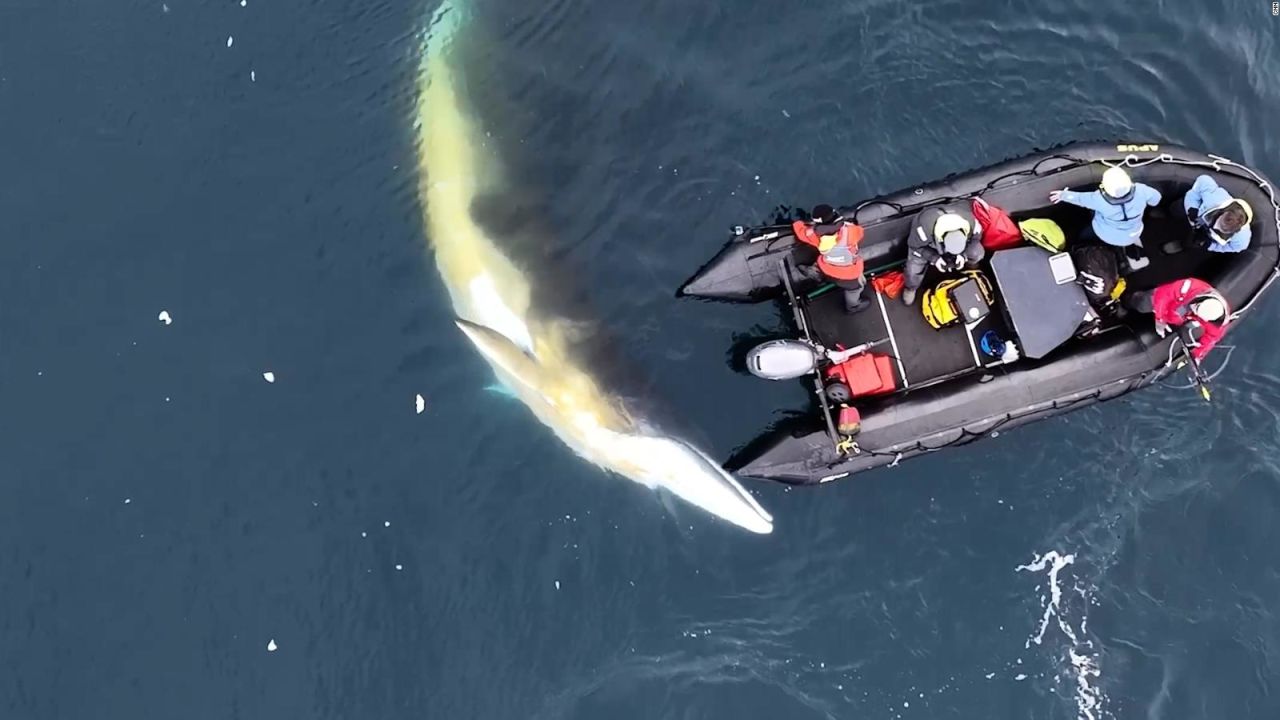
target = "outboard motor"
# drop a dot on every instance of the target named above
(782, 359)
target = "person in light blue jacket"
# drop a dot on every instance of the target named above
(1219, 222)
(1118, 205)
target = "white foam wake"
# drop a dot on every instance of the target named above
(1080, 650)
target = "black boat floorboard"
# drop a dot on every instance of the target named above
(833, 327)
(925, 353)
(1159, 228)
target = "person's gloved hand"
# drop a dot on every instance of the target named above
(1193, 214)
(1056, 196)
(1162, 328)
(959, 262)
(941, 264)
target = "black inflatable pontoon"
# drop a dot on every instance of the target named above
(948, 392)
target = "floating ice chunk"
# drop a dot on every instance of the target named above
(386, 523)
(419, 403)
(1020, 676)
(399, 567)
(128, 500)
(271, 645)
(244, 3)
(230, 41)
(165, 317)
(269, 376)
(253, 76)
(990, 675)
(557, 584)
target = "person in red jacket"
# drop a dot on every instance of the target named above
(836, 241)
(1193, 307)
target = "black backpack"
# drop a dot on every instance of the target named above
(1098, 272)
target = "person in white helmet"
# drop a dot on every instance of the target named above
(1191, 306)
(948, 238)
(1118, 205)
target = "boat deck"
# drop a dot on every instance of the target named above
(924, 355)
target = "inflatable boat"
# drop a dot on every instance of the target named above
(919, 389)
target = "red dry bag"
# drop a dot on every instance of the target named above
(999, 231)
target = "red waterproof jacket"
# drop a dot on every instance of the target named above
(1171, 304)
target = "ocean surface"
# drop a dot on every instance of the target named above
(180, 538)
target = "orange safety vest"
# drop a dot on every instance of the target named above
(840, 261)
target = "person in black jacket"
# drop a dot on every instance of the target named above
(946, 237)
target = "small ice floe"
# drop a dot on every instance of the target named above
(1020, 676)
(269, 376)
(419, 403)
(557, 584)
(399, 567)
(128, 500)
(230, 41)
(253, 76)
(244, 3)
(165, 317)
(386, 523)
(164, 7)
(271, 645)
(990, 675)
(364, 534)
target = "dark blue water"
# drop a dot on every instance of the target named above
(165, 512)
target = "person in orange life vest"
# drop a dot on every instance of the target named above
(1194, 307)
(836, 240)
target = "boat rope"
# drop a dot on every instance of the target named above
(967, 436)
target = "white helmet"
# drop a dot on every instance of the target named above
(1116, 183)
(1210, 308)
